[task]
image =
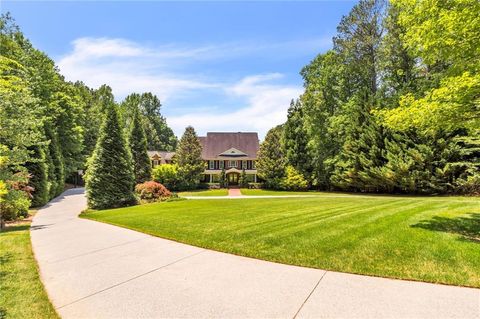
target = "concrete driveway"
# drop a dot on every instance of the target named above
(95, 270)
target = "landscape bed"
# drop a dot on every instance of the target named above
(22, 293)
(431, 239)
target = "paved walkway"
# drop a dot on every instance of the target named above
(234, 192)
(95, 270)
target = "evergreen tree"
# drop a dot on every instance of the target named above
(242, 181)
(142, 167)
(360, 156)
(56, 170)
(223, 179)
(322, 102)
(271, 159)
(159, 135)
(109, 177)
(38, 170)
(189, 159)
(296, 139)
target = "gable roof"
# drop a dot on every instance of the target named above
(162, 154)
(221, 144)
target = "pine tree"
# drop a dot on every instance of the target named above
(142, 168)
(109, 177)
(271, 159)
(56, 170)
(38, 170)
(361, 154)
(296, 139)
(189, 159)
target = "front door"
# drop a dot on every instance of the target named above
(232, 178)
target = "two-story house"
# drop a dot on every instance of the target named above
(232, 152)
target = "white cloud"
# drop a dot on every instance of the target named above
(265, 106)
(129, 67)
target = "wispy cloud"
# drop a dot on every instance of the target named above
(265, 105)
(260, 101)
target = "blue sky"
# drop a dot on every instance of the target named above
(219, 66)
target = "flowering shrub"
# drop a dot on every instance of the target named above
(152, 191)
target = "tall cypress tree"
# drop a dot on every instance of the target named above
(189, 159)
(142, 168)
(38, 170)
(109, 177)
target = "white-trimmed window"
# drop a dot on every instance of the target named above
(232, 164)
(211, 164)
(253, 165)
(244, 164)
(221, 166)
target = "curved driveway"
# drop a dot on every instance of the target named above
(95, 270)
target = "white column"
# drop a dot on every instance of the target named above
(255, 178)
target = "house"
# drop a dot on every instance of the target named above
(159, 157)
(229, 151)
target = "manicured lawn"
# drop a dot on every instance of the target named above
(21, 293)
(205, 192)
(261, 192)
(429, 239)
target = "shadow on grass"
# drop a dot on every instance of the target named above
(14, 228)
(467, 227)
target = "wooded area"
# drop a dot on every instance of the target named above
(49, 127)
(394, 107)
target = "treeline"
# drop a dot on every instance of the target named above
(394, 107)
(49, 127)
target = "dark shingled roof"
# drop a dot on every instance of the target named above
(215, 143)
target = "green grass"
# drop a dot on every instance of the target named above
(21, 292)
(265, 192)
(205, 192)
(433, 239)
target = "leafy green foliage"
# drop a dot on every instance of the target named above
(189, 159)
(382, 113)
(159, 135)
(243, 180)
(109, 177)
(167, 174)
(40, 110)
(38, 170)
(294, 180)
(142, 167)
(223, 181)
(271, 158)
(296, 139)
(56, 171)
